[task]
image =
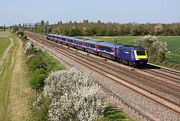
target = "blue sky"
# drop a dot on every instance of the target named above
(122, 11)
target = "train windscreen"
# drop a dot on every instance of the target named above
(141, 53)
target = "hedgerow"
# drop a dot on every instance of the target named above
(37, 81)
(40, 64)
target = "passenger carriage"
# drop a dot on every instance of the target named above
(70, 41)
(79, 43)
(107, 50)
(64, 40)
(91, 46)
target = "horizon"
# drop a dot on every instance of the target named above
(139, 11)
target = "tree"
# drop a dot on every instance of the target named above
(59, 23)
(99, 22)
(85, 21)
(135, 32)
(4, 28)
(158, 29)
(42, 23)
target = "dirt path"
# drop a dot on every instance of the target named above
(19, 91)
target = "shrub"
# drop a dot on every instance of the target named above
(28, 48)
(40, 109)
(36, 62)
(52, 64)
(74, 95)
(38, 77)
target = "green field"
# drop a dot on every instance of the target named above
(172, 41)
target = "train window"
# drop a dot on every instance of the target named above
(70, 40)
(64, 39)
(90, 45)
(76, 41)
(140, 52)
(81, 42)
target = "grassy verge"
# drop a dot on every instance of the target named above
(4, 42)
(40, 64)
(5, 78)
(112, 113)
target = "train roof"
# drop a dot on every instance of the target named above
(57, 35)
(83, 38)
(92, 41)
(138, 48)
(80, 39)
(70, 37)
(130, 46)
(108, 44)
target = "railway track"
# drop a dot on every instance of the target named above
(163, 101)
(161, 85)
(159, 73)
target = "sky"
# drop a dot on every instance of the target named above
(120, 11)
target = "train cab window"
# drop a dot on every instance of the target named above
(140, 52)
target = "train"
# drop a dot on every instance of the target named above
(127, 54)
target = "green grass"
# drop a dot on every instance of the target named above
(172, 41)
(38, 74)
(5, 77)
(174, 46)
(112, 113)
(4, 42)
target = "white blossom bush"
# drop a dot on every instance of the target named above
(74, 95)
(28, 46)
(157, 50)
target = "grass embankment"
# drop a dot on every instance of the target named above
(172, 41)
(40, 65)
(7, 63)
(4, 43)
(14, 87)
(112, 113)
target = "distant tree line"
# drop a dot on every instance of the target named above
(2, 28)
(99, 28)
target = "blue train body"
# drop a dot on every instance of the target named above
(131, 55)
